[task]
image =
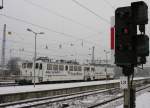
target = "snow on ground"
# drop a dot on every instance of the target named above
(29, 88)
(142, 101)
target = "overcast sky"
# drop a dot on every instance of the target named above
(70, 30)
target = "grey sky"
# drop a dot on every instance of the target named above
(73, 23)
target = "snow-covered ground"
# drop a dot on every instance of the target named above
(29, 88)
(142, 101)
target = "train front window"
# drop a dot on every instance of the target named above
(40, 66)
(29, 65)
(24, 65)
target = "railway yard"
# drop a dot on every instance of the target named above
(69, 95)
(74, 54)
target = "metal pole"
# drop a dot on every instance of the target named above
(3, 48)
(106, 65)
(127, 94)
(35, 58)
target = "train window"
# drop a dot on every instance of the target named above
(79, 68)
(70, 68)
(55, 67)
(24, 65)
(61, 67)
(40, 66)
(36, 66)
(75, 68)
(66, 67)
(29, 65)
(86, 68)
(49, 66)
(92, 69)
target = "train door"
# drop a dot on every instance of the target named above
(92, 73)
(86, 70)
(41, 67)
(38, 72)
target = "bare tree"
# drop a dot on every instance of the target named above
(13, 66)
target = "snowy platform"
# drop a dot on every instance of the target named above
(14, 93)
(142, 101)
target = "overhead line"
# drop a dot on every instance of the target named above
(109, 4)
(39, 26)
(62, 16)
(21, 20)
(81, 5)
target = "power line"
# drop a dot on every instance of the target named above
(109, 4)
(81, 5)
(27, 44)
(39, 26)
(29, 53)
(62, 16)
(49, 50)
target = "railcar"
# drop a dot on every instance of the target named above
(59, 71)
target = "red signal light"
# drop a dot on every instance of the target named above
(126, 31)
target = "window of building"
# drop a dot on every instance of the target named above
(71, 68)
(61, 67)
(49, 66)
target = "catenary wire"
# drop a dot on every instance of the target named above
(61, 16)
(91, 11)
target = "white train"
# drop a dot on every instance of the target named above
(49, 71)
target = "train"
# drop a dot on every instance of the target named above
(47, 70)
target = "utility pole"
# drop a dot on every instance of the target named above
(1, 7)
(35, 53)
(3, 48)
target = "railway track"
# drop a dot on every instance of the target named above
(47, 100)
(36, 102)
(116, 98)
(61, 98)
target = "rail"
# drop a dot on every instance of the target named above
(45, 100)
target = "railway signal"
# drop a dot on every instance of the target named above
(131, 48)
(124, 37)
